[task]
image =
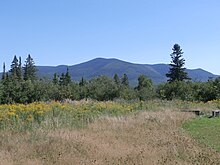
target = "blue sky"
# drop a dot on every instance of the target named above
(68, 32)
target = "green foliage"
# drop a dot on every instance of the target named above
(144, 82)
(55, 79)
(209, 90)
(29, 69)
(62, 79)
(65, 79)
(82, 82)
(193, 91)
(116, 79)
(124, 80)
(16, 69)
(19, 69)
(176, 90)
(1, 91)
(4, 72)
(27, 94)
(127, 93)
(145, 88)
(15, 88)
(177, 71)
(102, 88)
(83, 89)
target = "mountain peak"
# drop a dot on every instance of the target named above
(110, 66)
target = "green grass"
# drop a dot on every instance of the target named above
(205, 130)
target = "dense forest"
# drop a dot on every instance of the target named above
(21, 85)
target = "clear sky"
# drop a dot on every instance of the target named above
(69, 32)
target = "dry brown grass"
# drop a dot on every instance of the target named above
(144, 138)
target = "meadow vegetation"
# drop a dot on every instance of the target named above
(92, 132)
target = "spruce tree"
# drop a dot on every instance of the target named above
(82, 82)
(4, 72)
(177, 71)
(55, 79)
(116, 79)
(29, 69)
(62, 79)
(19, 73)
(83, 90)
(14, 68)
(124, 80)
(67, 77)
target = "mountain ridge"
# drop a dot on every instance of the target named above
(109, 67)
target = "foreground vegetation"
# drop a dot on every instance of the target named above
(77, 114)
(53, 115)
(205, 130)
(91, 132)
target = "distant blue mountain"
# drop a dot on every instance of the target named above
(109, 67)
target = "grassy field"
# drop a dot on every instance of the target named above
(206, 130)
(89, 132)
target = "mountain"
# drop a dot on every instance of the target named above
(109, 67)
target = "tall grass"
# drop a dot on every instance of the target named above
(91, 132)
(77, 114)
(54, 115)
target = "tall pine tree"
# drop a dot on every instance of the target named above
(67, 77)
(4, 72)
(177, 71)
(124, 80)
(19, 69)
(15, 71)
(55, 79)
(82, 82)
(29, 69)
(62, 80)
(116, 79)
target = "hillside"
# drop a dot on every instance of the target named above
(109, 67)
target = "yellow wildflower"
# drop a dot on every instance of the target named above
(30, 118)
(11, 114)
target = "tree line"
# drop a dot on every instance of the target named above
(22, 85)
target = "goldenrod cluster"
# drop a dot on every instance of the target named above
(41, 111)
(26, 112)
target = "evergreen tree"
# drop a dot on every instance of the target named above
(4, 72)
(177, 71)
(116, 79)
(82, 82)
(19, 73)
(83, 90)
(6, 98)
(29, 69)
(62, 79)
(15, 68)
(124, 80)
(67, 77)
(55, 79)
